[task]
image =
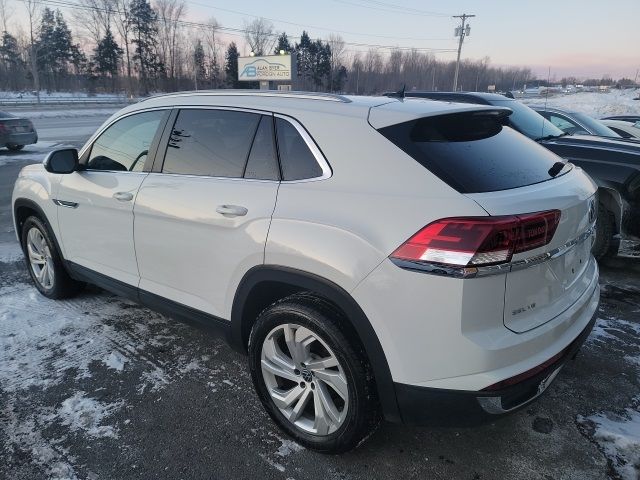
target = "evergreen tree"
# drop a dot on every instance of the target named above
(200, 72)
(231, 66)
(143, 21)
(107, 55)
(303, 57)
(283, 44)
(54, 47)
(313, 61)
(214, 72)
(12, 67)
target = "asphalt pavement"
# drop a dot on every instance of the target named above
(97, 387)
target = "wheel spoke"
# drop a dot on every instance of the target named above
(335, 380)
(290, 340)
(322, 363)
(279, 371)
(286, 398)
(322, 394)
(320, 422)
(302, 403)
(304, 338)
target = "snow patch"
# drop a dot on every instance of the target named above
(619, 438)
(288, 447)
(595, 104)
(80, 412)
(115, 360)
(10, 252)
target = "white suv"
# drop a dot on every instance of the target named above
(374, 256)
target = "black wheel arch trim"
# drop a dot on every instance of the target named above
(310, 282)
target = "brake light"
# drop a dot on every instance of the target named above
(3, 128)
(478, 241)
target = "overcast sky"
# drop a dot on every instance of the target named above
(585, 38)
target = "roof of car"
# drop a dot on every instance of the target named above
(488, 97)
(277, 101)
(553, 109)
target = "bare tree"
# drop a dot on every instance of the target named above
(336, 44)
(213, 46)
(94, 18)
(170, 13)
(33, 11)
(259, 35)
(5, 14)
(122, 20)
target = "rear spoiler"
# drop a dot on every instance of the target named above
(393, 113)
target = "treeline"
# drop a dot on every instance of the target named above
(135, 47)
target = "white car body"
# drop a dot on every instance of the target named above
(161, 237)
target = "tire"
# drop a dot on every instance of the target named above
(15, 148)
(605, 245)
(355, 411)
(44, 261)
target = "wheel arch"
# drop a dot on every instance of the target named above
(612, 201)
(263, 285)
(23, 208)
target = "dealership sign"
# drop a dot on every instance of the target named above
(271, 67)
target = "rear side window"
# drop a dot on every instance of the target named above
(214, 143)
(296, 159)
(473, 153)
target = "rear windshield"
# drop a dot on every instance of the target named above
(474, 153)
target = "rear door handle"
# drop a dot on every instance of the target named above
(123, 196)
(231, 210)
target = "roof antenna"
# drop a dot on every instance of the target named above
(399, 93)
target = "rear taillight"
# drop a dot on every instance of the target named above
(3, 128)
(478, 241)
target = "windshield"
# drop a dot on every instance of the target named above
(528, 121)
(595, 126)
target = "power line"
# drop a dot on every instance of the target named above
(241, 31)
(393, 8)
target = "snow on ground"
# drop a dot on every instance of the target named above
(595, 104)
(80, 412)
(49, 95)
(32, 153)
(61, 113)
(10, 252)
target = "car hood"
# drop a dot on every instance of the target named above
(609, 143)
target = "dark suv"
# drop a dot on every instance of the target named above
(614, 164)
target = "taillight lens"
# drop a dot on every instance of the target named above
(3, 128)
(479, 241)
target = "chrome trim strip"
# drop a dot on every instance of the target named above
(64, 203)
(472, 272)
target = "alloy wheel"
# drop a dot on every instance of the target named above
(304, 379)
(40, 258)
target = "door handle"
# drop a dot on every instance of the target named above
(231, 210)
(123, 196)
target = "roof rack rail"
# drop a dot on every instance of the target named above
(331, 97)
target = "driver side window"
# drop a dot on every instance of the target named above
(124, 146)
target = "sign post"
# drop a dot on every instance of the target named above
(264, 69)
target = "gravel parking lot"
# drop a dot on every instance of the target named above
(100, 388)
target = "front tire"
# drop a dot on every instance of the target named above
(315, 383)
(14, 147)
(605, 245)
(44, 261)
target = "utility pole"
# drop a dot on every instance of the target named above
(461, 31)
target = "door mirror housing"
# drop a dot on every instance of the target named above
(64, 160)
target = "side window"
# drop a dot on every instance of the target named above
(213, 143)
(565, 124)
(262, 163)
(125, 144)
(297, 161)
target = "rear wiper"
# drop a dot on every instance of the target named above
(551, 137)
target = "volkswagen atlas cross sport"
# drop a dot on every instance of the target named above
(374, 257)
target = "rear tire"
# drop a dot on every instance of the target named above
(605, 245)
(15, 148)
(44, 261)
(329, 408)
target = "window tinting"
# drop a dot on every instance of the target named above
(480, 157)
(296, 159)
(262, 163)
(214, 143)
(125, 144)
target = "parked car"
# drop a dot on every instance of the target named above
(613, 163)
(626, 130)
(575, 123)
(371, 256)
(16, 132)
(624, 118)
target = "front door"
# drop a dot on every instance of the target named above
(95, 205)
(202, 219)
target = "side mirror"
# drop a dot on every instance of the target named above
(64, 160)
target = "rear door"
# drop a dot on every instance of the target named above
(203, 214)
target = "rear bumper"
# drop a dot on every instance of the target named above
(19, 138)
(433, 406)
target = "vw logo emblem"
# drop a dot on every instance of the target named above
(306, 375)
